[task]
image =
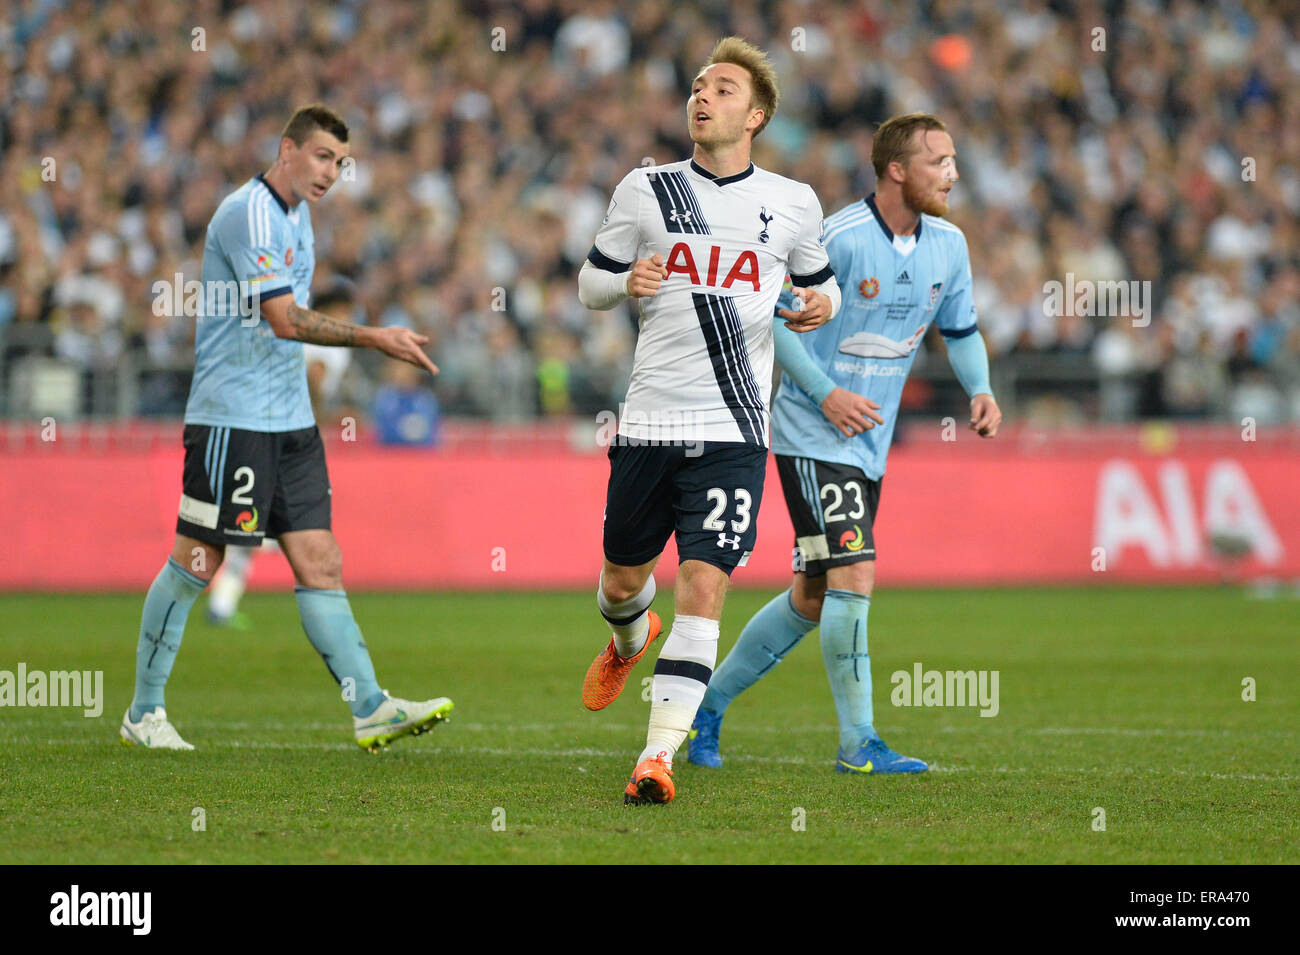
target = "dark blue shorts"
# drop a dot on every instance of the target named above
(709, 498)
(241, 486)
(833, 510)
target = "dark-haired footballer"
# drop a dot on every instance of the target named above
(254, 461)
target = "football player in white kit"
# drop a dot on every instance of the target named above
(705, 245)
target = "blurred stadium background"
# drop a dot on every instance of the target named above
(1151, 142)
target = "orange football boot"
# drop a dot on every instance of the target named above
(608, 672)
(652, 781)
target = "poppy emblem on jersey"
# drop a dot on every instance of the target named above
(763, 236)
(263, 261)
(869, 288)
(288, 256)
(935, 289)
(247, 521)
(852, 539)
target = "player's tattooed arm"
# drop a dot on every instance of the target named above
(320, 329)
(290, 320)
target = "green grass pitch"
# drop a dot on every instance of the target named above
(1126, 699)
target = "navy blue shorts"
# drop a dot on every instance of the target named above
(708, 497)
(241, 486)
(833, 508)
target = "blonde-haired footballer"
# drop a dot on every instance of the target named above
(704, 246)
(901, 266)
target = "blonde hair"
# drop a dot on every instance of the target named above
(766, 96)
(893, 140)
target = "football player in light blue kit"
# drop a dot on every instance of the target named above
(254, 460)
(900, 267)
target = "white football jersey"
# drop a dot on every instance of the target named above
(703, 364)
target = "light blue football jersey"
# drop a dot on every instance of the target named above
(892, 289)
(245, 377)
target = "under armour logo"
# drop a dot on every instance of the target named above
(681, 218)
(763, 236)
(724, 540)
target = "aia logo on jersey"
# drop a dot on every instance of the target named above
(744, 269)
(869, 288)
(288, 256)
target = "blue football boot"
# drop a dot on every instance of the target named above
(873, 756)
(702, 742)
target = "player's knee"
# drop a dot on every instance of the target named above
(331, 567)
(324, 570)
(857, 578)
(808, 603)
(701, 589)
(863, 577)
(619, 584)
(199, 558)
(618, 588)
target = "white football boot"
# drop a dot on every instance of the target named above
(395, 718)
(153, 731)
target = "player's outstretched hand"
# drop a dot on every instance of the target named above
(815, 313)
(646, 275)
(851, 413)
(404, 345)
(984, 415)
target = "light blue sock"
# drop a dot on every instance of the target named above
(162, 625)
(844, 649)
(327, 619)
(767, 638)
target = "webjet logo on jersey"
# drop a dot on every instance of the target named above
(869, 369)
(177, 298)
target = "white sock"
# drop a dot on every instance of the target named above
(628, 619)
(231, 582)
(681, 677)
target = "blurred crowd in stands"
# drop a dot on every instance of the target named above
(1112, 141)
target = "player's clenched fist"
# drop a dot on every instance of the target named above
(404, 345)
(645, 277)
(850, 412)
(984, 415)
(815, 313)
